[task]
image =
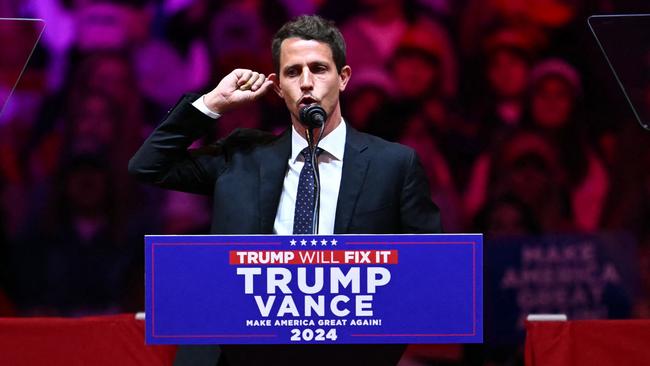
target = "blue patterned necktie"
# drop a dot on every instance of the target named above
(306, 197)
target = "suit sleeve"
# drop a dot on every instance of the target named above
(164, 159)
(419, 215)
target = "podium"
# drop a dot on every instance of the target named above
(303, 299)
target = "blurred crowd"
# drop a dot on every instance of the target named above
(510, 105)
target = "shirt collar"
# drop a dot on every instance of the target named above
(333, 143)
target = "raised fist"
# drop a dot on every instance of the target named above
(239, 87)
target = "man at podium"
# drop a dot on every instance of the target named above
(320, 176)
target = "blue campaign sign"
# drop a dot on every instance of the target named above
(333, 289)
(585, 276)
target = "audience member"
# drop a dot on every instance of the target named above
(556, 113)
(506, 216)
(373, 36)
(365, 95)
(527, 167)
(499, 105)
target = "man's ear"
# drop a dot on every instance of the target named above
(276, 84)
(344, 76)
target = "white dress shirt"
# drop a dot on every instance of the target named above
(330, 166)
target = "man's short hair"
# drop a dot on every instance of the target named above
(311, 27)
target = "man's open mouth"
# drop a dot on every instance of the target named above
(306, 100)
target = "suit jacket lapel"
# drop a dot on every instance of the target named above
(273, 168)
(355, 165)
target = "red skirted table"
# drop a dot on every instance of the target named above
(98, 341)
(588, 343)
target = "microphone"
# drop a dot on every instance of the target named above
(312, 116)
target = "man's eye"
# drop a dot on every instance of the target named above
(319, 69)
(291, 72)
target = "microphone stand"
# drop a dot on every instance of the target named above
(309, 132)
(314, 116)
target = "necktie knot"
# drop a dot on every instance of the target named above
(306, 152)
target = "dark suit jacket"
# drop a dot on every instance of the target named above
(383, 186)
(383, 190)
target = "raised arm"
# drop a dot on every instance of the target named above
(164, 159)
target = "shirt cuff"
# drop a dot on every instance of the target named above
(200, 105)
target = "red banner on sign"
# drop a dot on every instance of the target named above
(270, 257)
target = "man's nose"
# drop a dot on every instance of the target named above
(306, 80)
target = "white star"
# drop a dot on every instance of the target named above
(333, 241)
(323, 242)
(303, 242)
(293, 242)
(313, 242)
